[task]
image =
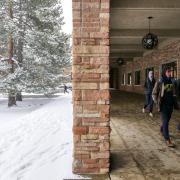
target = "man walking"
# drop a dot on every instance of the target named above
(164, 94)
(65, 89)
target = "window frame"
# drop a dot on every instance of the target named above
(123, 80)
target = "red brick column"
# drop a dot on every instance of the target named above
(91, 128)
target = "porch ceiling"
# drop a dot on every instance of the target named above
(129, 23)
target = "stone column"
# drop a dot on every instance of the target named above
(91, 127)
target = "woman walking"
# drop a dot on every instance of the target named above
(148, 88)
(164, 94)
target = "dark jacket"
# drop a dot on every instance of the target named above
(159, 91)
(178, 89)
(149, 85)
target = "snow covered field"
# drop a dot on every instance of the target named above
(36, 139)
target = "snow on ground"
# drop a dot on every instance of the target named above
(36, 139)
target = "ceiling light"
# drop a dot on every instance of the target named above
(150, 40)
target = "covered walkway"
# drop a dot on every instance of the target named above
(108, 53)
(137, 149)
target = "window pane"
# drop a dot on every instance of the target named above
(137, 77)
(123, 79)
(129, 78)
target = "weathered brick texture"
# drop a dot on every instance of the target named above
(156, 58)
(90, 73)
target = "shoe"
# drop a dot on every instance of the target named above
(151, 115)
(170, 144)
(143, 110)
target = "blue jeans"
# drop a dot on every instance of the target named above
(148, 102)
(165, 117)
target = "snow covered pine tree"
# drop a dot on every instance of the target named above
(47, 48)
(40, 47)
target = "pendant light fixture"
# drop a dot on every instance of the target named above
(120, 61)
(150, 40)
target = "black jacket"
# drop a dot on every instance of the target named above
(178, 89)
(149, 85)
(159, 93)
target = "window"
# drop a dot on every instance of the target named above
(173, 66)
(137, 77)
(147, 71)
(123, 79)
(129, 78)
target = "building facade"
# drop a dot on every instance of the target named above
(104, 31)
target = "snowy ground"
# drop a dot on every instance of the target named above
(36, 139)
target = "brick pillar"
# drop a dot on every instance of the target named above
(91, 127)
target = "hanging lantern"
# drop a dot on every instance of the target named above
(150, 40)
(120, 61)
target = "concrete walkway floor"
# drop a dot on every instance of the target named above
(138, 152)
(137, 149)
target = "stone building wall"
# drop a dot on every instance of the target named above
(90, 77)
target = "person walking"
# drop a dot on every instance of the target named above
(65, 89)
(148, 88)
(163, 94)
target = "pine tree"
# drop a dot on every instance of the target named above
(47, 48)
(40, 48)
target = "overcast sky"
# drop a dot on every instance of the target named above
(67, 9)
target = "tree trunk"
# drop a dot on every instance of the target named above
(11, 101)
(18, 96)
(11, 93)
(20, 47)
(11, 98)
